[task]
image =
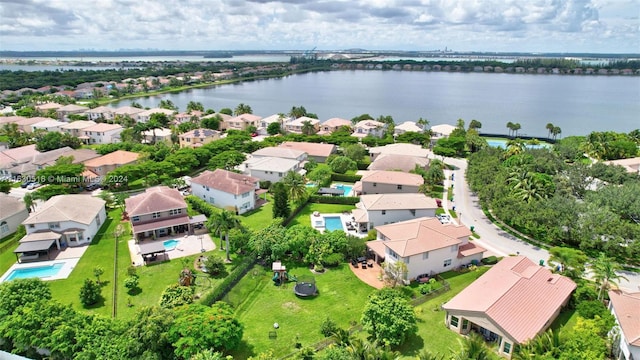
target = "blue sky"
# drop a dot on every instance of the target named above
(598, 26)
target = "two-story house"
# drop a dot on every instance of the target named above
(101, 114)
(64, 111)
(227, 190)
(198, 137)
(241, 122)
(276, 118)
(159, 211)
(145, 116)
(333, 124)
(280, 152)
(13, 213)
(369, 128)
(101, 133)
(381, 209)
(403, 149)
(61, 222)
(126, 112)
(425, 245)
(49, 125)
(76, 128)
(271, 168)
(99, 167)
(316, 151)
(388, 182)
(407, 126)
(296, 126)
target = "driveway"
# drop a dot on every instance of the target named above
(492, 237)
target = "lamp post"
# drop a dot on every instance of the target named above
(201, 246)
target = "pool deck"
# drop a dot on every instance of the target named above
(63, 273)
(188, 245)
(318, 223)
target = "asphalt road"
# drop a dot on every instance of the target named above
(494, 239)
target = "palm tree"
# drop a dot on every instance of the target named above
(296, 186)
(474, 348)
(605, 273)
(556, 131)
(545, 345)
(242, 109)
(221, 223)
(475, 124)
(428, 355)
(308, 128)
(549, 128)
(298, 111)
(28, 202)
(423, 123)
(510, 127)
(516, 127)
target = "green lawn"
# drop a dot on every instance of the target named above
(260, 304)
(259, 218)
(432, 334)
(7, 258)
(304, 217)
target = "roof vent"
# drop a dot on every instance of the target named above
(550, 279)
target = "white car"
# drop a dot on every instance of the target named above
(444, 218)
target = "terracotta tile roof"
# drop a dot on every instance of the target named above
(313, 149)
(400, 149)
(73, 107)
(31, 121)
(78, 208)
(627, 310)
(248, 118)
(127, 110)
(226, 181)
(100, 110)
(279, 152)
(418, 236)
(369, 124)
(269, 163)
(469, 249)
(301, 120)
(16, 154)
(48, 106)
(397, 201)
(155, 199)
(409, 126)
(337, 122)
(10, 205)
(397, 162)
(118, 157)
(102, 127)
(517, 295)
(79, 124)
(393, 177)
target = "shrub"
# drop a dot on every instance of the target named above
(176, 295)
(343, 200)
(425, 288)
(221, 290)
(131, 283)
(132, 271)
(345, 177)
(214, 265)
(491, 260)
(265, 184)
(318, 268)
(90, 293)
(333, 259)
(591, 308)
(328, 327)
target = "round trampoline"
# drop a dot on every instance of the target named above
(305, 287)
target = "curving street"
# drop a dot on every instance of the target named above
(492, 238)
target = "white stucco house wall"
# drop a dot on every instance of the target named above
(101, 133)
(271, 168)
(381, 209)
(227, 190)
(13, 212)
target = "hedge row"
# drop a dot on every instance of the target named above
(345, 177)
(343, 200)
(229, 282)
(201, 206)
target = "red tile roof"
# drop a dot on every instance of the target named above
(226, 181)
(155, 199)
(313, 149)
(517, 295)
(627, 310)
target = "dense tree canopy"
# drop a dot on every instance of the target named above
(388, 317)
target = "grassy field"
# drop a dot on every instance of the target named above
(260, 304)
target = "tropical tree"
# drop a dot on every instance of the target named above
(549, 128)
(296, 185)
(221, 223)
(281, 207)
(274, 128)
(308, 128)
(388, 317)
(475, 125)
(510, 127)
(194, 106)
(341, 164)
(28, 202)
(5, 186)
(473, 347)
(167, 104)
(556, 131)
(211, 122)
(21, 292)
(606, 273)
(423, 123)
(516, 127)
(242, 109)
(90, 292)
(298, 111)
(570, 261)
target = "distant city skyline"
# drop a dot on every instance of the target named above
(569, 26)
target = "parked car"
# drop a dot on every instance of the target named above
(92, 186)
(33, 185)
(444, 218)
(25, 184)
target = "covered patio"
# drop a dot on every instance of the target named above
(150, 250)
(162, 228)
(33, 245)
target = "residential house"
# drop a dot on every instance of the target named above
(333, 124)
(426, 246)
(26, 124)
(101, 114)
(404, 163)
(241, 122)
(101, 133)
(159, 211)
(145, 115)
(276, 118)
(49, 125)
(61, 222)
(46, 107)
(10, 158)
(101, 166)
(271, 168)
(398, 149)
(76, 128)
(227, 190)
(632, 165)
(126, 111)
(223, 118)
(369, 128)
(315, 151)
(64, 112)
(280, 152)
(513, 302)
(296, 125)
(381, 209)
(156, 135)
(625, 307)
(28, 166)
(407, 126)
(388, 182)
(12, 213)
(440, 131)
(198, 137)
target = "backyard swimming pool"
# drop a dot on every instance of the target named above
(332, 223)
(36, 271)
(344, 187)
(502, 143)
(170, 244)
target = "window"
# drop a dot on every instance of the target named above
(98, 220)
(384, 212)
(407, 260)
(454, 321)
(155, 215)
(4, 227)
(413, 212)
(447, 262)
(280, 174)
(399, 187)
(135, 218)
(54, 225)
(465, 324)
(392, 254)
(212, 200)
(31, 226)
(175, 211)
(246, 194)
(425, 255)
(375, 184)
(507, 347)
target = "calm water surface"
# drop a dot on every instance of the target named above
(578, 104)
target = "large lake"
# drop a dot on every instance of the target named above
(578, 104)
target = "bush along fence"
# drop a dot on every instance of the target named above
(345, 177)
(424, 298)
(344, 200)
(220, 291)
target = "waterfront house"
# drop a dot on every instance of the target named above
(426, 246)
(296, 125)
(101, 133)
(241, 122)
(64, 112)
(76, 128)
(271, 169)
(276, 118)
(12, 213)
(159, 211)
(333, 124)
(61, 222)
(440, 131)
(398, 149)
(392, 162)
(49, 125)
(156, 135)
(126, 111)
(100, 166)
(625, 308)
(407, 126)
(316, 151)
(369, 128)
(198, 137)
(145, 115)
(227, 190)
(101, 114)
(388, 182)
(513, 302)
(381, 209)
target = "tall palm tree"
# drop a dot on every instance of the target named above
(221, 223)
(516, 127)
(28, 202)
(556, 131)
(605, 272)
(308, 128)
(296, 186)
(423, 123)
(510, 127)
(242, 109)
(549, 128)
